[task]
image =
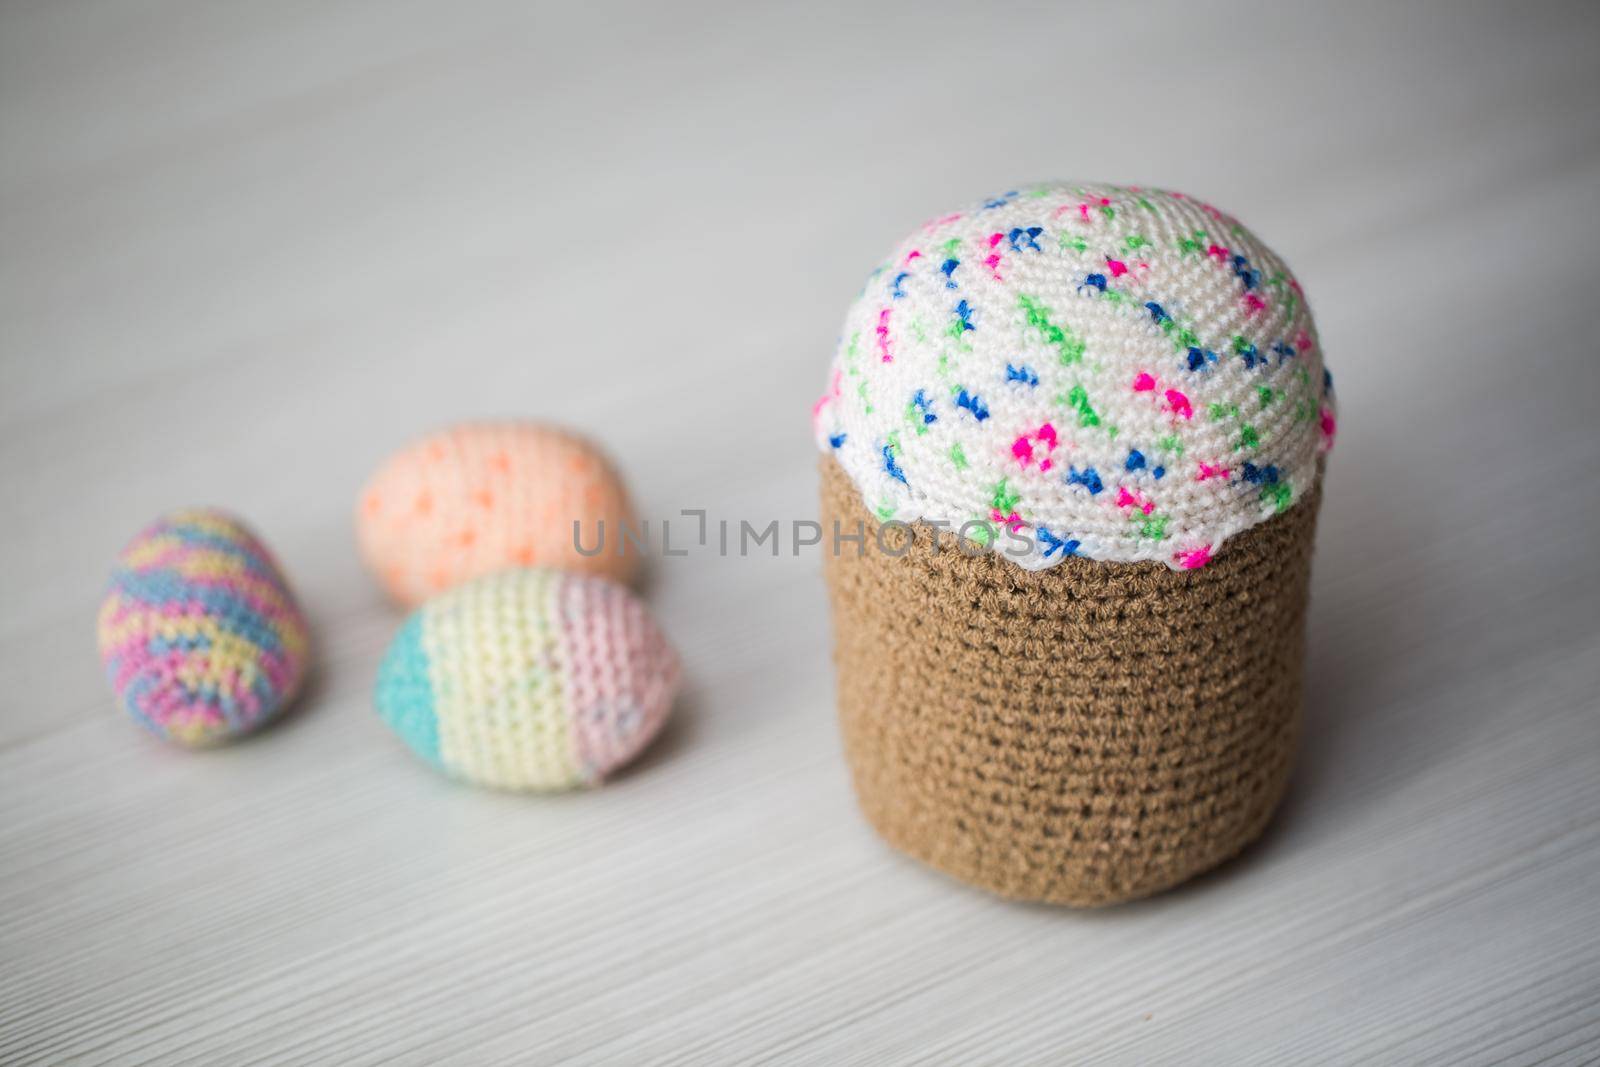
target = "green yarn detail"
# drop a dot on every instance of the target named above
(1279, 494)
(1069, 345)
(1004, 500)
(1079, 400)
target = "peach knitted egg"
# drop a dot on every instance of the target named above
(481, 497)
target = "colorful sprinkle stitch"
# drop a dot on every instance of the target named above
(1131, 375)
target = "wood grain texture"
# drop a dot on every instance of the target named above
(247, 250)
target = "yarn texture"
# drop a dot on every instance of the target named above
(1082, 735)
(1104, 371)
(200, 635)
(482, 497)
(529, 679)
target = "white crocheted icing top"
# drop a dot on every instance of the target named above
(1096, 370)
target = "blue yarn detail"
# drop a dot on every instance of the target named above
(1053, 544)
(947, 268)
(1247, 274)
(895, 291)
(1267, 475)
(837, 439)
(1024, 374)
(1025, 238)
(891, 466)
(1135, 460)
(404, 693)
(160, 646)
(195, 537)
(973, 403)
(232, 612)
(1089, 478)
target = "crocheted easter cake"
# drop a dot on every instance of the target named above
(1083, 427)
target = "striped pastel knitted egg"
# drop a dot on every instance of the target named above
(530, 679)
(200, 635)
(482, 497)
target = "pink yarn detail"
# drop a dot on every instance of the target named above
(620, 674)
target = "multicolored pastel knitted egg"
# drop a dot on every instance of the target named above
(529, 679)
(200, 635)
(483, 497)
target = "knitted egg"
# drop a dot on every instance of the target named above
(481, 497)
(1083, 429)
(200, 635)
(529, 679)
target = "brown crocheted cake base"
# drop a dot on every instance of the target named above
(1084, 735)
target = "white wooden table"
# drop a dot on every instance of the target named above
(246, 250)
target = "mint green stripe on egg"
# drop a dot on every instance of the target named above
(405, 692)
